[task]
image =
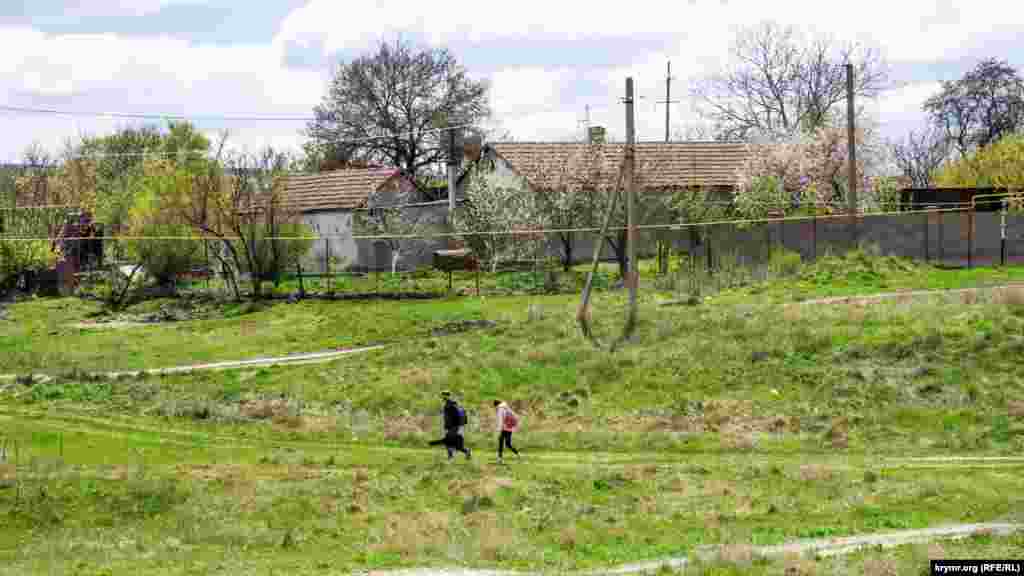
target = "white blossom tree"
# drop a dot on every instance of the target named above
(495, 207)
(389, 216)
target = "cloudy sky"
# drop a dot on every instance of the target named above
(547, 60)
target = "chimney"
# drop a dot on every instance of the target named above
(471, 148)
(595, 135)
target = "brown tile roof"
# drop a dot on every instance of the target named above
(335, 190)
(659, 165)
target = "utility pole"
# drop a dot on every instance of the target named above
(632, 270)
(851, 133)
(668, 96)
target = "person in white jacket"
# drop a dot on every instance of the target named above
(508, 422)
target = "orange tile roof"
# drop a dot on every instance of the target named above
(659, 165)
(345, 189)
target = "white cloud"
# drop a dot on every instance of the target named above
(160, 74)
(109, 73)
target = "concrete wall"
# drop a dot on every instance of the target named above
(939, 238)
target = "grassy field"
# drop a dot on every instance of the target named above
(737, 421)
(903, 560)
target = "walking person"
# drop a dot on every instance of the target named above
(455, 419)
(508, 422)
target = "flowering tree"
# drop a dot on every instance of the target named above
(999, 165)
(501, 204)
(805, 172)
(387, 217)
(574, 196)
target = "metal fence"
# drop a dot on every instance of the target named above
(949, 236)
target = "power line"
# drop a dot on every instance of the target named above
(150, 116)
(160, 153)
(522, 232)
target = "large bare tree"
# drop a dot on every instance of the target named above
(920, 154)
(780, 82)
(981, 107)
(386, 106)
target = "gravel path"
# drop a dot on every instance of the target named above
(820, 547)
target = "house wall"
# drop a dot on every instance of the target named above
(363, 254)
(340, 245)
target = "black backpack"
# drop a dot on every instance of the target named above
(461, 412)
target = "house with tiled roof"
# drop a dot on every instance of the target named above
(327, 203)
(660, 168)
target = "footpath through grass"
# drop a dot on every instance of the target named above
(735, 421)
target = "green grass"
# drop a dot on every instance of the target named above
(735, 421)
(44, 335)
(168, 498)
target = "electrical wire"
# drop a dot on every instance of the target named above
(525, 232)
(149, 116)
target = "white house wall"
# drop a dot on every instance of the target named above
(337, 225)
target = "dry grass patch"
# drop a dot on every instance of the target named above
(1012, 296)
(399, 426)
(736, 554)
(417, 377)
(795, 565)
(815, 473)
(881, 567)
(409, 535)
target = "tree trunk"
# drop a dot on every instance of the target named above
(395, 255)
(619, 247)
(566, 250)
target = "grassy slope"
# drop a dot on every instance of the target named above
(911, 559)
(728, 422)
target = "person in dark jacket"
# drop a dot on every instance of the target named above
(453, 439)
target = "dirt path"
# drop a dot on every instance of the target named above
(821, 547)
(310, 358)
(904, 294)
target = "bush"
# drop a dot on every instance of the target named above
(784, 262)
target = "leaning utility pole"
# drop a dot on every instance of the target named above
(632, 270)
(851, 137)
(668, 96)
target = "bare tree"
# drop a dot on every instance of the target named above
(920, 154)
(241, 206)
(981, 107)
(696, 131)
(385, 107)
(780, 83)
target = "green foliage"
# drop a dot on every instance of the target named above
(18, 255)
(271, 256)
(998, 165)
(151, 216)
(784, 262)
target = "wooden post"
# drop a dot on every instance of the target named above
(633, 270)
(851, 133)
